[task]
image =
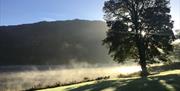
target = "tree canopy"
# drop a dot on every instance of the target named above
(139, 29)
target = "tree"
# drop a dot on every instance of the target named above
(176, 45)
(178, 33)
(139, 29)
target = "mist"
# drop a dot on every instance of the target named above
(49, 75)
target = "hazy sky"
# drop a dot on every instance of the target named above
(14, 12)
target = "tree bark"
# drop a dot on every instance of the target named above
(142, 57)
(140, 45)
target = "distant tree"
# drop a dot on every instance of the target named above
(178, 34)
(176, 45)
(139, 29)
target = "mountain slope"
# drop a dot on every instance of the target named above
(58, 42)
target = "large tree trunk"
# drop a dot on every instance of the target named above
(142, 57)
(141, 47)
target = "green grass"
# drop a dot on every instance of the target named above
(164, 81)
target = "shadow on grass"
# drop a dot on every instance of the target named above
(166, 67)
(159, 83)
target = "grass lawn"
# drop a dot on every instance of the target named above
(164, 81)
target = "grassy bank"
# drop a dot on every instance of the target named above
(165, 81)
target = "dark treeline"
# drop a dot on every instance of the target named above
(56, 42)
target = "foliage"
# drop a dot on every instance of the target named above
(139, 29)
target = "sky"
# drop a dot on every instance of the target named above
(13, 12)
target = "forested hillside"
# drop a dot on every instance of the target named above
(58, 42)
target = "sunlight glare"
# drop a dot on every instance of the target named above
(160, 50)
(143, 33)
(128, 69)
(176, 42)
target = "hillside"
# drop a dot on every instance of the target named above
(58, 42)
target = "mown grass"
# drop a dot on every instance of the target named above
(167, 80)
